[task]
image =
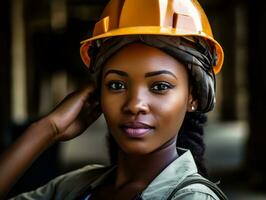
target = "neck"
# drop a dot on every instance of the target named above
(142, 169)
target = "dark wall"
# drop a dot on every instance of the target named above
(256, 162)
(5, 71)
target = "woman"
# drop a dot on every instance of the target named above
(154, 64)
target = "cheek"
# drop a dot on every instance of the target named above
(172, 109)
(110, 106)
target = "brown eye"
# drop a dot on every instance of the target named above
(116, 85)
(161, 87)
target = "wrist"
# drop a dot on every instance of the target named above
(46, 129)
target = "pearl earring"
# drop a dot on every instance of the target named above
(193, 108)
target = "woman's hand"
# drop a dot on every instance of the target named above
(74, 114)
(68, 120)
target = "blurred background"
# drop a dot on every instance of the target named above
(40, 64)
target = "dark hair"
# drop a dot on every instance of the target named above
(191, 136)
(191, 133)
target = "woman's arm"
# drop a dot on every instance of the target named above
(68, 120)
(14, 162)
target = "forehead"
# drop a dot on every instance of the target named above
(141, 57)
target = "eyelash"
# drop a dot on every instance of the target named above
(112, 85)
(157, 87)
(166, 86)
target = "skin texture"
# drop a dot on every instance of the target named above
(141, 84)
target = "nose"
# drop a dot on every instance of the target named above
(136, 103)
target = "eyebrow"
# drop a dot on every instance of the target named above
(113, 71)
(156, 73)
(148, 74)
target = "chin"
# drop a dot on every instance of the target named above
(136, 149)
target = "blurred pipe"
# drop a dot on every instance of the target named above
(59, 84)
(19, 91)
(58, 14)
(241, 61)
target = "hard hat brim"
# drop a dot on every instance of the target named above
(152, 30)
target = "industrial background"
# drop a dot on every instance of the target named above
(40, 64)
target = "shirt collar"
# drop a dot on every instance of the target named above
(171, 176)
(166, 181)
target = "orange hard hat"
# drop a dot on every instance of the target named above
(153, 17)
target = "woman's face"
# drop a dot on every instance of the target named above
(144, 97)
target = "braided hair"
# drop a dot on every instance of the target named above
(191, 137)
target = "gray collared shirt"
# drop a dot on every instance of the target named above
(71, 185)
(184, 166)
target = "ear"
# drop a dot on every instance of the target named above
(192, 104)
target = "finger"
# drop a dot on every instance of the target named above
(69, 109)
(94, 115)
(75, 100)
(91, 113)
(86, 92)
(81, 124)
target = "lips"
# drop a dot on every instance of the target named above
(136, 129)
